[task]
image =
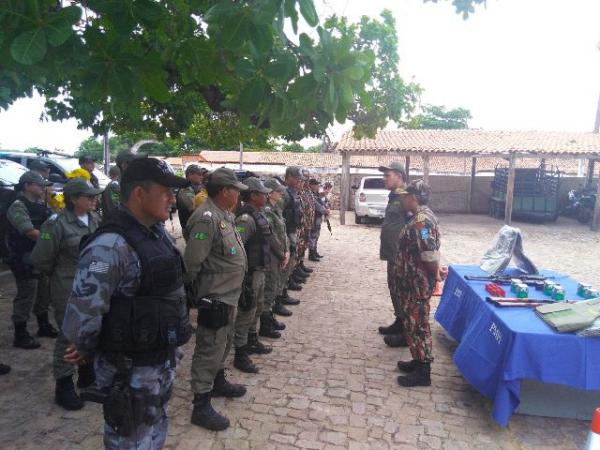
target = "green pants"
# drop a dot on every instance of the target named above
(273, 283)
(212, 348)
(32, 294)
(245, 322)
(60, 368)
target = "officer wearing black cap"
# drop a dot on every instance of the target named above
(88, 163)
(40, 167)
(111, 197)
(127, 309)
(25, 217)
(394, 179)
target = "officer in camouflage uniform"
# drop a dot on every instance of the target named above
(416, 271)
(127, 309)
(278, 262)
(186, 196)
(256, 233)
(394, 179)
(55, 254)
(111, 197)
(39, 166)
(308, 204)
(216, 262)
(321, 211)
(25, 217)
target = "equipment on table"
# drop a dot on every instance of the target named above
(495, 289)
(587, 291)
(536, 281)
(565, 317)
(507, 245)
(517, 302)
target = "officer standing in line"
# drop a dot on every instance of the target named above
(279, 260)
(128, 311)
(88, 163)
(111, 197)
(25, 217)
(55, 254)
(394, 179)
(185, 197)
(256, 233)
(321, 211)
(416, 270)
(39, 166)
(216, 264)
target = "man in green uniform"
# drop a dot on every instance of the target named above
(279, 260)
(255, 231)
(111, 197)
(39, 166)
(394, 179)
(185, 197)
(56, 254)
(216, 264)
(416, 270)
(25, 217)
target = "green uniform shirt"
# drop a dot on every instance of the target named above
(185, 198)
(214, 256)
(393, 222)
(279, 241)
(18, 215)
(56, 252)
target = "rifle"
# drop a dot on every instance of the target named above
(328, 226)
(528, 302)
(536, 281)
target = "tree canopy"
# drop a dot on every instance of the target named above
(163, 66)
(439, 117)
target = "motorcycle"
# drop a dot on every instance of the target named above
(581, 204)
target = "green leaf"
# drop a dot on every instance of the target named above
(221, 11)
(280, 69)
(71, 13)
(303, 87)
(308, 11)
(262, 37)
(244, 68)
(155, 87)
(290, 11)
(236, 32)
(58, 31)
(347, 97)
(29, 47)
(251, 95)
(354, 73)
(149, 12)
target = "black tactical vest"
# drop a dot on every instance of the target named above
(19, 244)
(148, 326)
(293, 212)
(258, 245)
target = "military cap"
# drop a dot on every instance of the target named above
(78, 186)
(126, 156)
(152, 169)
(255, 185)
(293, 171)
(195, 168)
(396, 167)
(314, 182)
(274, 185)
(34, 178)
(418, 188)
(225, 177)
(38, 164)
(86, 159)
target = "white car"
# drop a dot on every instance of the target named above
(370, 199)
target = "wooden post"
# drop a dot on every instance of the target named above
(590, 172)
(426, 169)
(510, 188)
(407, 167)
(345, 187)
(596, 217)
(471, 189)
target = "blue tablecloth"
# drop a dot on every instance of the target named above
(498, 347)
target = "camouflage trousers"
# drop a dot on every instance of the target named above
(158, 380)
(32, 294)
(245, 321)
(315, 234)
(273, 283)
(416, 328)
(396, 299)
(285, 274)
(60, 368)
(210, 353)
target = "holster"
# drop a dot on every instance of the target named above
(247, 300)
(212, 313)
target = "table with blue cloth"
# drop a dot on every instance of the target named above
(499, 347)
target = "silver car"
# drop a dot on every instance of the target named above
(370, 199)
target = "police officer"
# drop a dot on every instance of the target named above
(278, 261)
(216, 263)
(394, 179)
(256, 233)
(55, 254)
(416, 270)
(127, 309)
(25, 217)
(88, 163)
(185, 197)
(111, 197)
(39, 166)
(321, 211)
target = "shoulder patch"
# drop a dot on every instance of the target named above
(207, 214)
(201, 236)
(425, 233)
(420, 217)
(240, 228)
(45, 236)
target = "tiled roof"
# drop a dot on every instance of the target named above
(472, 142)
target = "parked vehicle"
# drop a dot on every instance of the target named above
(10, 172)
(581, 204)
(370, 199)
(59, 164)
(535, 195)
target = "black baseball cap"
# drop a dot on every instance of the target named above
(33, 178)
(86, 159)
(152, 169)
(126, 157)
(293, 171)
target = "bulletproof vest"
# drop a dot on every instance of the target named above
(293, 212)
(19, 244)
(182, 211)
(148, 326)
(258, 245)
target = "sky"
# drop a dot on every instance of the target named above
(515, 64)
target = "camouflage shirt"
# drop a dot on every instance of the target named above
(419, 242)
(279, 240)
(393, 222)
(111, 198)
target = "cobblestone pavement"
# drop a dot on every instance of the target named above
(330, 382)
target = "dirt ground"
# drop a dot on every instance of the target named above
(330, 382)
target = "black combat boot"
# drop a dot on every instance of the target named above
(45, 328)
(298, 280)
(205, 416)
(4, 369)
(267, 326)
(318, 254)
(256, 347)
(293, 286)
(281, 310)
(312, 256)
(408, 366)
(23, 339)
(242, 361)
(223, 388)
(300, 274)
(85, 375)
(306, 269)
(279, 326)
(395, 340)
(285, 299)
(66, 396)
(420, 376)
(395, 328)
